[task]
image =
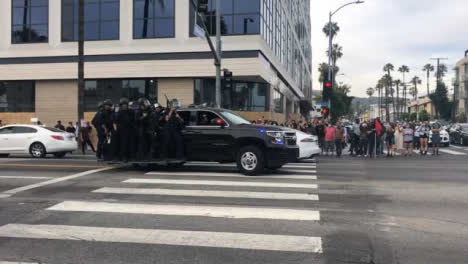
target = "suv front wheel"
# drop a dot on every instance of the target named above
(250, 160)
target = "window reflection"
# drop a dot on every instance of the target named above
(101, 20)
(29, 21)
(153, 19)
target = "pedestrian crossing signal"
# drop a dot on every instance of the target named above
(325, 112)
(328, 85)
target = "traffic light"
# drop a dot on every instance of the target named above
(202, 6)
(327, 90)
(325, 111)
(227, 79)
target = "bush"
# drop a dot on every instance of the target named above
(424, 116)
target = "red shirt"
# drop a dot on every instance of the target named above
(330, 133)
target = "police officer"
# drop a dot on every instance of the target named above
(123, 124)
(144, 129)
(157, 121)
(100, 132)
(172, 133)
(106, 124)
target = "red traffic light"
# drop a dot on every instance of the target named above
(328, 84)
(324, 111)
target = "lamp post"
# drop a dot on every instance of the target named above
(330, 41)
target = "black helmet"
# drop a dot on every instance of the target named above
(108, 102)
(123, 101)
(100, 104)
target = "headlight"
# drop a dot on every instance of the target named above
(276, 136)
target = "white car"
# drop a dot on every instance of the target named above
(35, 140)
(308, 145)
(444, 138)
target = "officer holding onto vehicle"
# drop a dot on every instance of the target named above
(123, 124)
(157, 121)
(172, 133)
(106, 124)
(97, 119)
(144, 129)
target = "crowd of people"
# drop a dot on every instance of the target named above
(370, 138)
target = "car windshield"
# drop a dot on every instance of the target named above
(235, 119)
(54, 129)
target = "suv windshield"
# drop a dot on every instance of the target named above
(235, 119)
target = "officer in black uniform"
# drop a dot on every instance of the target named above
(157, 121)
(97, 119)
(144, 129)
(172, 141)
(107, 127)
(123, 124)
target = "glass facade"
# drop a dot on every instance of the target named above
(17, 96)
(238, 17)
(153, 19)
(114, 89)
(286, 28)
(101, 20)
(278, 101)
(244, 96)
(30, 21)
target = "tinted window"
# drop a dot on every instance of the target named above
(186, 116)
(207, 118)
(24, 130)
(30, 20)
(153, 19)
(101, 20)
(6, 130)
(17, 96)
(238, 17)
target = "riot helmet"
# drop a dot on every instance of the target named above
(123, 101)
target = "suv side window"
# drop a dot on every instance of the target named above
(24, 130)
(185, 115)
(6, 130)
(207, 118)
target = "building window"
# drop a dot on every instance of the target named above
(17, 96)
(114, 89)
(30, 21)
(101, 20)
(153, 19)
(238, 17)
(244, 96)
(278, 101)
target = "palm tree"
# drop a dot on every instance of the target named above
(398, 108)
(370, 91)
(415, 81)
(335, 29)
(428, 68)
(379, 88)
(441, 72)
(337, 53)
(414, 91)
(388, 68)
(403, 69)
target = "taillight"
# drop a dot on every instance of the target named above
(57, 137)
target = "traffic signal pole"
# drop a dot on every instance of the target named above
(218, 53)
(330, 40)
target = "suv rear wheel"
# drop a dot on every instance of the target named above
(250, 160)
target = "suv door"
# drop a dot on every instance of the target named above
(211, 140)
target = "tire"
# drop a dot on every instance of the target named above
(462, 141)
(250, 160)
(60, 155)
(4, 155)
(37, 150)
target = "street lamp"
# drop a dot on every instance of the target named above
(331, 39)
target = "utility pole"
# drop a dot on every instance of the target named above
(218, 53)
(438, 67)
(81, 83)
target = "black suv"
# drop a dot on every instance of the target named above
(219, 135)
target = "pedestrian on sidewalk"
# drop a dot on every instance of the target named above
(372, 139)
(329, 139)
(363, 139)
(436, 127)
(398, 138)
(424, 130)
(320, 129)
(339, 138)
(408, 134)
(355, 137)
(390, 139)
(70, 128)
(85, 132)
(60, 126)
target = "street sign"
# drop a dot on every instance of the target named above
(321, 103)
(199, 32)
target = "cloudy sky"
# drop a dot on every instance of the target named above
(400, 32)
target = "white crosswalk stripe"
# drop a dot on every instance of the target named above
(11, 262)
(222, 183)
(452, 152)
(165, 237)
(230, 175)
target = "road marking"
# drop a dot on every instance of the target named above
(208, 174)
(299, 171)
(452, 152)
(233, 165)
(210, 193)
(301, 166)
(50, 166)
(190, 210)
(25, 177)
(223, 183)
(53, 181)
(10, 262)
(165, 237)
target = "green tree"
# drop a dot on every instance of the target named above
(440, 101)
(404, 69)
(341, 102)
(428, 68)
(424, 115)
(335, 29)
(415, 81)
(405, 116)
(440, 74)
(412, 117)
(337, 53)
(388, 68)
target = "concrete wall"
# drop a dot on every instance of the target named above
(16, 118)
(57, 100)
(181, 89)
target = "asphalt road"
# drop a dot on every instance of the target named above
(348, 210)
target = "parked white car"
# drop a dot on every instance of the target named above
(36, 140)
(444, 138)
(308, 145)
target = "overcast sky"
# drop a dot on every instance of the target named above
(400, 32)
